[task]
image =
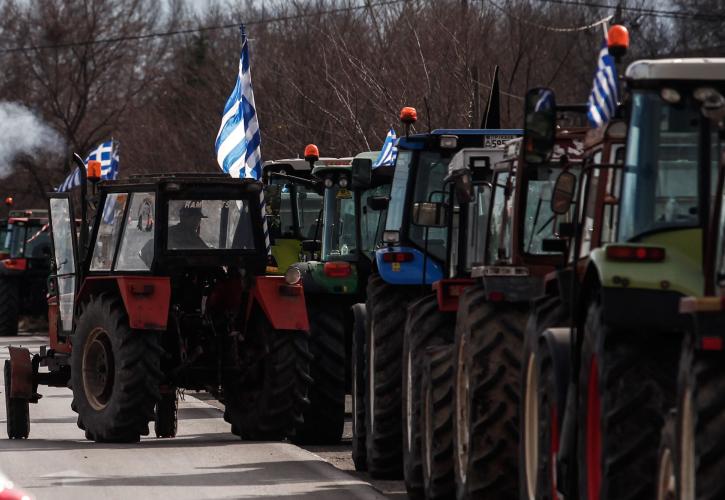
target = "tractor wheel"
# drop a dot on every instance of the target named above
(115, 373)
(324, 418)
(270, 405)
(9, 307)
(386, 309)
(17, 410)
(359, 453)
(166, 415)
(436, 429)
(488, 349)
(425, 326)
(701, 425)
(667, 462)
(626, 388)
(539, 414)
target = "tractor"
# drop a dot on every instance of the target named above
(413, 256)
(690, 458)
(333, 279)
(165, 290)
(601, 379)
(24, 268)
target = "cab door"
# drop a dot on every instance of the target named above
(65, 258)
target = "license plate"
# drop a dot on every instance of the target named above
(496, 141)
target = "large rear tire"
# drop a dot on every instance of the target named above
(17, 410)
(701, 425)
(324, 418)
(359, 453)
(626, 388)
(269, 406)
(115, 373)
(386, 309)
(541, 407)
(9, 306)
(436, 427)
(488, 350)
(667, 462)
(425, 326)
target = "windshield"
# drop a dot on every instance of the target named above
(31, 241)
(292, 209)
(429, 187)
(209, 224)
(338, 238)
(661, 174)
(477, 225)
(394, 217)
(371, 220)
(4, 239)
(540, 223)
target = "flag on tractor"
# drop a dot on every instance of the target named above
(603, 99)
(107, 154)
(237, 143)
(388, 152)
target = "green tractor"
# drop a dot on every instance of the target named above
(612, 358)
(341, 259)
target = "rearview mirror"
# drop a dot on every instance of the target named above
(378, 203)
(362, 171)
(539, 124)
(430, 214)
(563, 193)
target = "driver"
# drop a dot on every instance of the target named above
(185, 234)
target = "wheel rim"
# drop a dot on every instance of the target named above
(531, 427)
(462, 410)
(428, 429)
(98, 369)
(371, 377)
(687, 448)
(593, 434)
(409, 401)
(666, 477)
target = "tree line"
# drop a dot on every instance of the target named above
(155, 76)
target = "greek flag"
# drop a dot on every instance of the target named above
(238, 140)
(389, 151)
(107, 154)
(603, 99)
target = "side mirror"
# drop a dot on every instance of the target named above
(362, 172)
(430, 214)
(539, 124)
(310, 246)
(563, 193)
(378, 203)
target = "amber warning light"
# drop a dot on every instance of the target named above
(9, 201)
(94, 170)
(312, 154)
(408, 115)
(618, 40)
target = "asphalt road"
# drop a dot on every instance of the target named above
(204, 461)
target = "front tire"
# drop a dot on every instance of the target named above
(667, 462)
(166, 415)
(488, 350)
(359, 453)
(627, 386)
(425, 326)
(17, 410)
(386, 309)
(701, 425)
(115, 373)
(9, 307)
(270, 405)
(324, 418)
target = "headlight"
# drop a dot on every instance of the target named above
(293, 275)
(328, 182)
(343, 182)
(449, 141)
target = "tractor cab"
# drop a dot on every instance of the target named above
(171, 282)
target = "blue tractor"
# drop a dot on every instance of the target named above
(422, 224)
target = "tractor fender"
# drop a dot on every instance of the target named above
(146, 298)
(283, 304)
(558, 343)
(21, 373)
(408, 272)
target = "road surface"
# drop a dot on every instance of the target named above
(204, 461)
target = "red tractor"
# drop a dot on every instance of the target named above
(163, 290)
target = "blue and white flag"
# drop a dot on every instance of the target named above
(603, 99)
(107, 154)
(238, 140)
(389, 151)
